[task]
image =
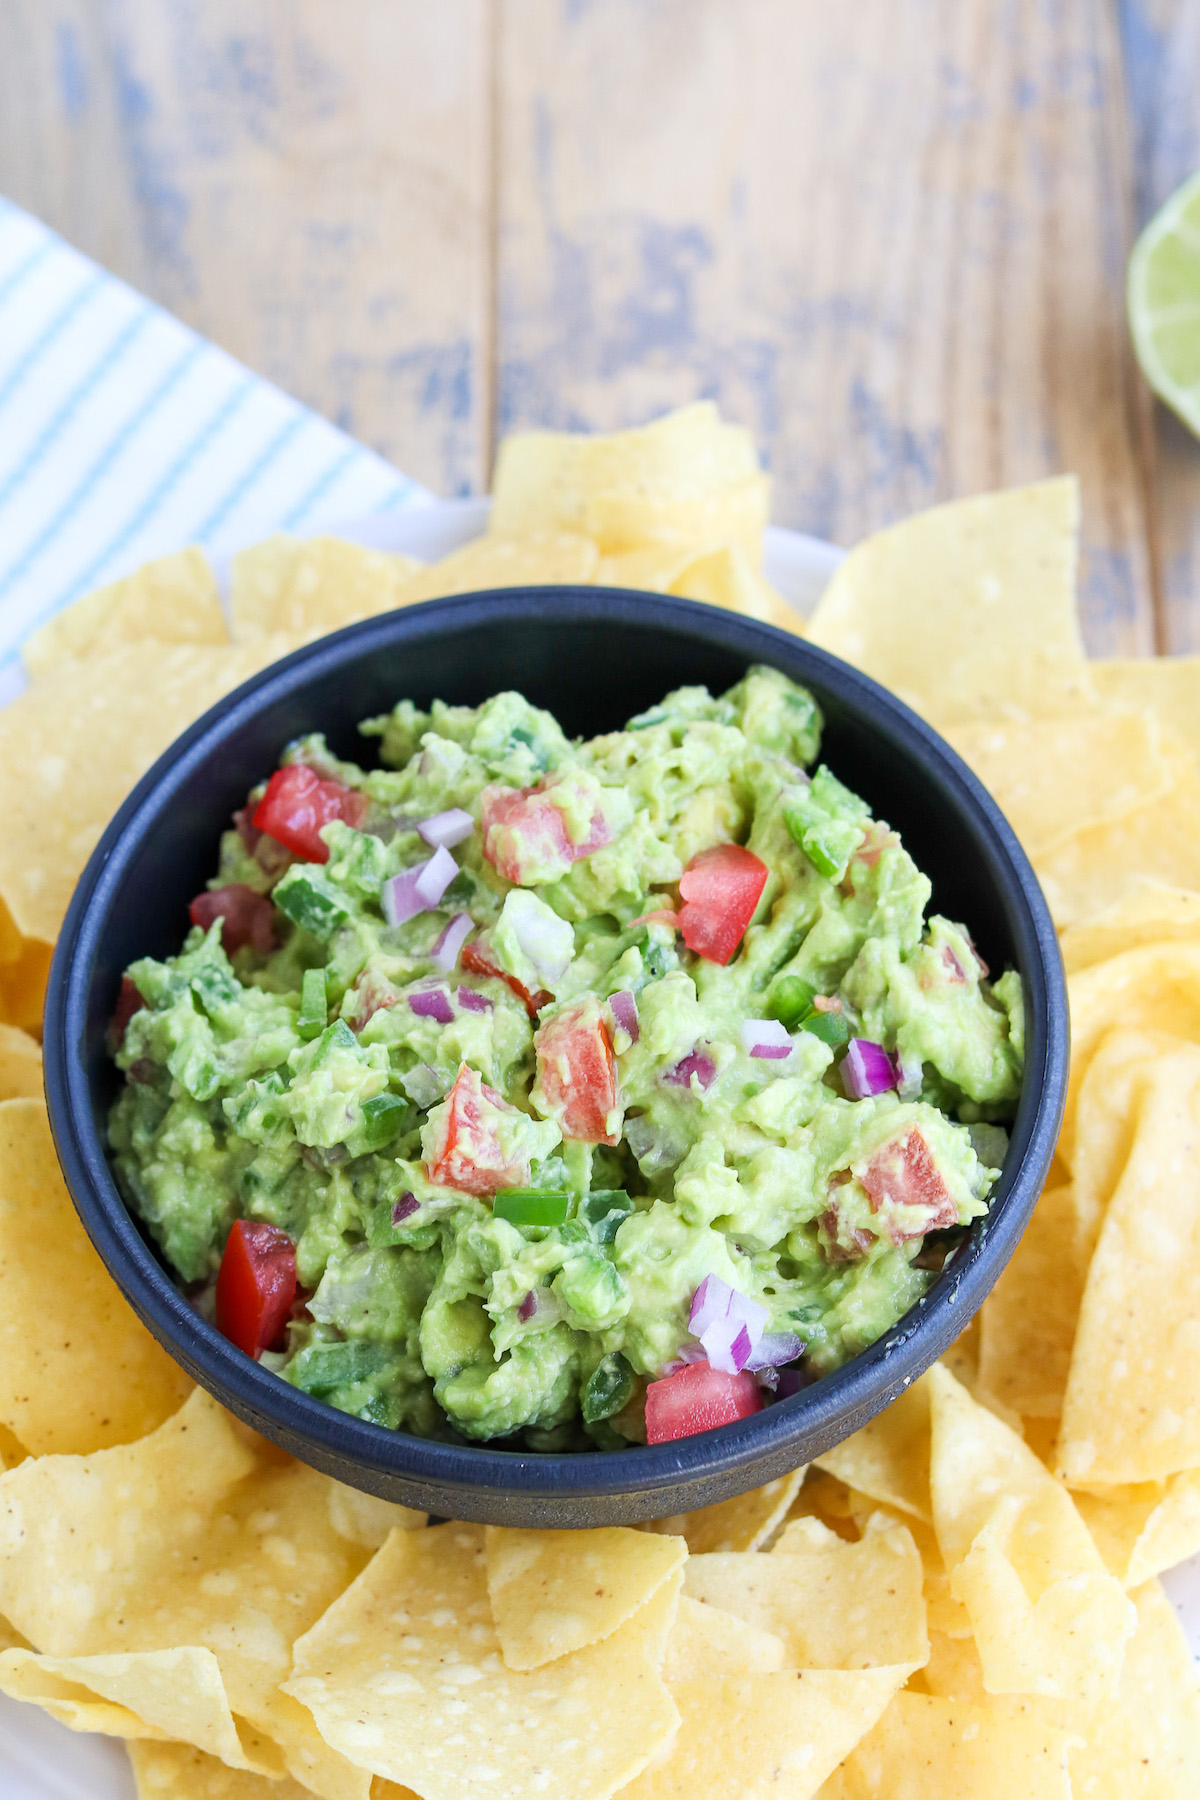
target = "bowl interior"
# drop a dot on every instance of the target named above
(593, 659)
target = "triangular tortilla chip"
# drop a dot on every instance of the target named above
(706, 1641)
(1142, 1530)
(173, 600)
(743, 1523)
(1150, 913)
(1028, 1319)
(20, 1064)
(178, 1772)
(926, 1745)
(889, 1457)
(556, 1591)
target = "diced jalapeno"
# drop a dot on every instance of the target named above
(382, 1118)
(605, 1210)
(321, 1367)
(314, 1007)
(791, 1000)
(337, 1036)
(531, 1206)
(608, 1389)
(831, 1027)
(310, 902)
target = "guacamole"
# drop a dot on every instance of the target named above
(564, 1093)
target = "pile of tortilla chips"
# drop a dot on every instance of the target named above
(961, 1600)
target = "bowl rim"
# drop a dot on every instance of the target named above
(474, 1479)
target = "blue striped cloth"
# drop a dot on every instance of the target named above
(124, 435)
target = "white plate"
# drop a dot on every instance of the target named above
(40, 1760)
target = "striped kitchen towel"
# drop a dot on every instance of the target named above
(124, 435)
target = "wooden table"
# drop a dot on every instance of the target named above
(888, 235)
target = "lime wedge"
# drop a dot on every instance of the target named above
(1163, 294)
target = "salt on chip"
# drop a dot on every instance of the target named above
(20, 1064)
(1149, 913)
(1116, 762)
(71, 749)
(556, 1591)
(765, 1736)
(707, 1641)
(835, 1605)
(924, 1745)
(497, 561)
(1132, 1407)
(1142, 1530)
(888, 1458)
(186, 1537)
(1028, 1319)
(684, 478)
(742, 1523)
(967, 610)
(78, 1369)
(172, 600)
(157, 1693)
(404, 1676)
(1047, 1617)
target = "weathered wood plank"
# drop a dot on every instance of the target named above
(307, 184)
(890, 237)
(1161, 42)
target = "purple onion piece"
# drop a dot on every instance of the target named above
(767, 1038)
(436, 876)
(867, 1069)
(432, 1003)
(710, 1302)
(697, 1064)
(528, 1306)
(470, 1001)
(400, 899)
(768, 1378)
(445, 829)
(444, 954)
(625, 1013)
(771, 1052)
(728, 1345)
(774, 1349)
(404, 1208)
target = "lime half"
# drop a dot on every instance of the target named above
(1163, 294)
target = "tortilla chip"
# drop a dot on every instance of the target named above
(556, 1591)
(968, 610)
(497, 561)
(1028, 1319)
(743, 1523)
(157, 1694)
(403, 1674)
(766, 1736)
(1167, 686)
(1149, 1745)
(1115, 759)
(888, 1458)
(1142, 1530)
(1099, 866)
(685, 478)
(186, 1537)
(313, 586)
(1047, 1617)
(78, 1369)
(706, 1641)
(23, 977)
(179, 1772)
(173, 600)
(1150, 913)
(835, 1605)
(651, 567)
(1108, 1103)
(20, 1064)
(725, 577)
(71, 749)
(1132, 1407)
(826, 1498)
(924, 1745)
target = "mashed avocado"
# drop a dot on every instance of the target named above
(517, 1041)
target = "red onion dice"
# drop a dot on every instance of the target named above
(404, 1207)
(432, 1003)
(436, 876)
(528, 1306)
(470, 1001)
(697, 1064)
(399, 899)
(444, 954)
(867, 1069)
(766, 1038)
(729, 1325)
(445, 829)
(774, 1349)
(625, 1013)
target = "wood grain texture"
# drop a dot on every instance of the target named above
(1161, 44)
(889, 237)
(308, 184)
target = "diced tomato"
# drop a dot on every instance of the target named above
(249, 918)
(720, 889)
(902, 1172)
(372, 993)
(525, 835)
(256, 1285)
(577, 1073)
(298, 803)
(698, 1398)
(469, 1155)
(479, 960)
(845, 1243)
(129, 1001)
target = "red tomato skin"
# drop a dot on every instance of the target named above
(720, 889)
(298, 803)
(905, 1174)
(469, 1157)
(129, 1001)
(525, 835)
(476, 958)
(249, 917)
(698, 1398)
(256, 1285)
(582, 1095)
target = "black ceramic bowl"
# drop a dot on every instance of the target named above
(593, 657)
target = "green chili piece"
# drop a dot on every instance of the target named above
(531, 1206)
